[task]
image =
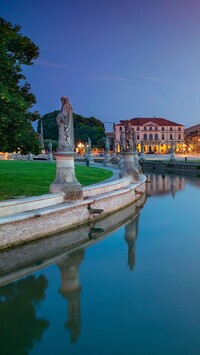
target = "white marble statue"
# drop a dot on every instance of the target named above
(66, 126)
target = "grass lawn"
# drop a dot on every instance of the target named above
(31, 178)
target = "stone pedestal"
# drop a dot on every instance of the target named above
(50, 157)
(142, 157)
(172, 157)
(129, 168)
(29, 156)
(107, 159)
(65, 180)
(90, 157)
(121, 161)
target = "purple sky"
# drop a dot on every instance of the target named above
(114, 59)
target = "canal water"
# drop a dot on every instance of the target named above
(129, 289)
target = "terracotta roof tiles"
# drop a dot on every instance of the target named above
(157, 121)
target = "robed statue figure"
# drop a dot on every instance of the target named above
(66, 126)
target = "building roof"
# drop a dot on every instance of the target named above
(141, 121)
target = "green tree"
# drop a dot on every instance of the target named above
(16, 99)
(20, 325)
(84, 128)
(54, 144)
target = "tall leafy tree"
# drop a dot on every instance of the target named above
(84, 128)
(16, 99)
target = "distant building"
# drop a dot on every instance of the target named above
(156, 133)
(192, 139)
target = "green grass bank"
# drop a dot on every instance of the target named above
(31, 178)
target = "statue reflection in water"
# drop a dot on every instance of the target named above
(70, 287)
(131, 232)
(71, 290)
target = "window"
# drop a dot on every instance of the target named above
(145, 128)
(171, 129)
(171, 136)
(163, 128)
(138, 137)
(145, 136)
(151, 137)
(179, 128)
(156, 136)
(163, 136)
(156, 128)
(179, 136)
(150, 128)
(138, 128)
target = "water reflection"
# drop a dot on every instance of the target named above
(71, 290)
(131, 232)
(96, 289)
(164, 184)
(20, 327)
(67, 251)
(70, 287)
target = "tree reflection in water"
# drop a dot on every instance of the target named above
(20, 328)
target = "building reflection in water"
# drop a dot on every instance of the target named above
(164, 184)
(71, 290)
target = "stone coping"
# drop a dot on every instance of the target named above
(95, 189)
(29, 203)
(63, 206)
(19, 205)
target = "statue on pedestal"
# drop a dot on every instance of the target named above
(107, 145)
(89, 145)
(65, 180)
(66, 127)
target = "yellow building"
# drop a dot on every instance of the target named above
(157, 134)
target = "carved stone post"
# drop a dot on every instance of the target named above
(89, 151)
(107, 152)
(65, 180)
(142, 155)
(172, 154)
(49, 155)
(128, 147)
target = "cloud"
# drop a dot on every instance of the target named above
(152, 78)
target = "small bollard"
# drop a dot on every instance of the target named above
(185, 158)
(87, 162)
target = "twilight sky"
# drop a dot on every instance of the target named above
(114, 59)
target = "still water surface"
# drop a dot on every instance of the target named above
(136, 291)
